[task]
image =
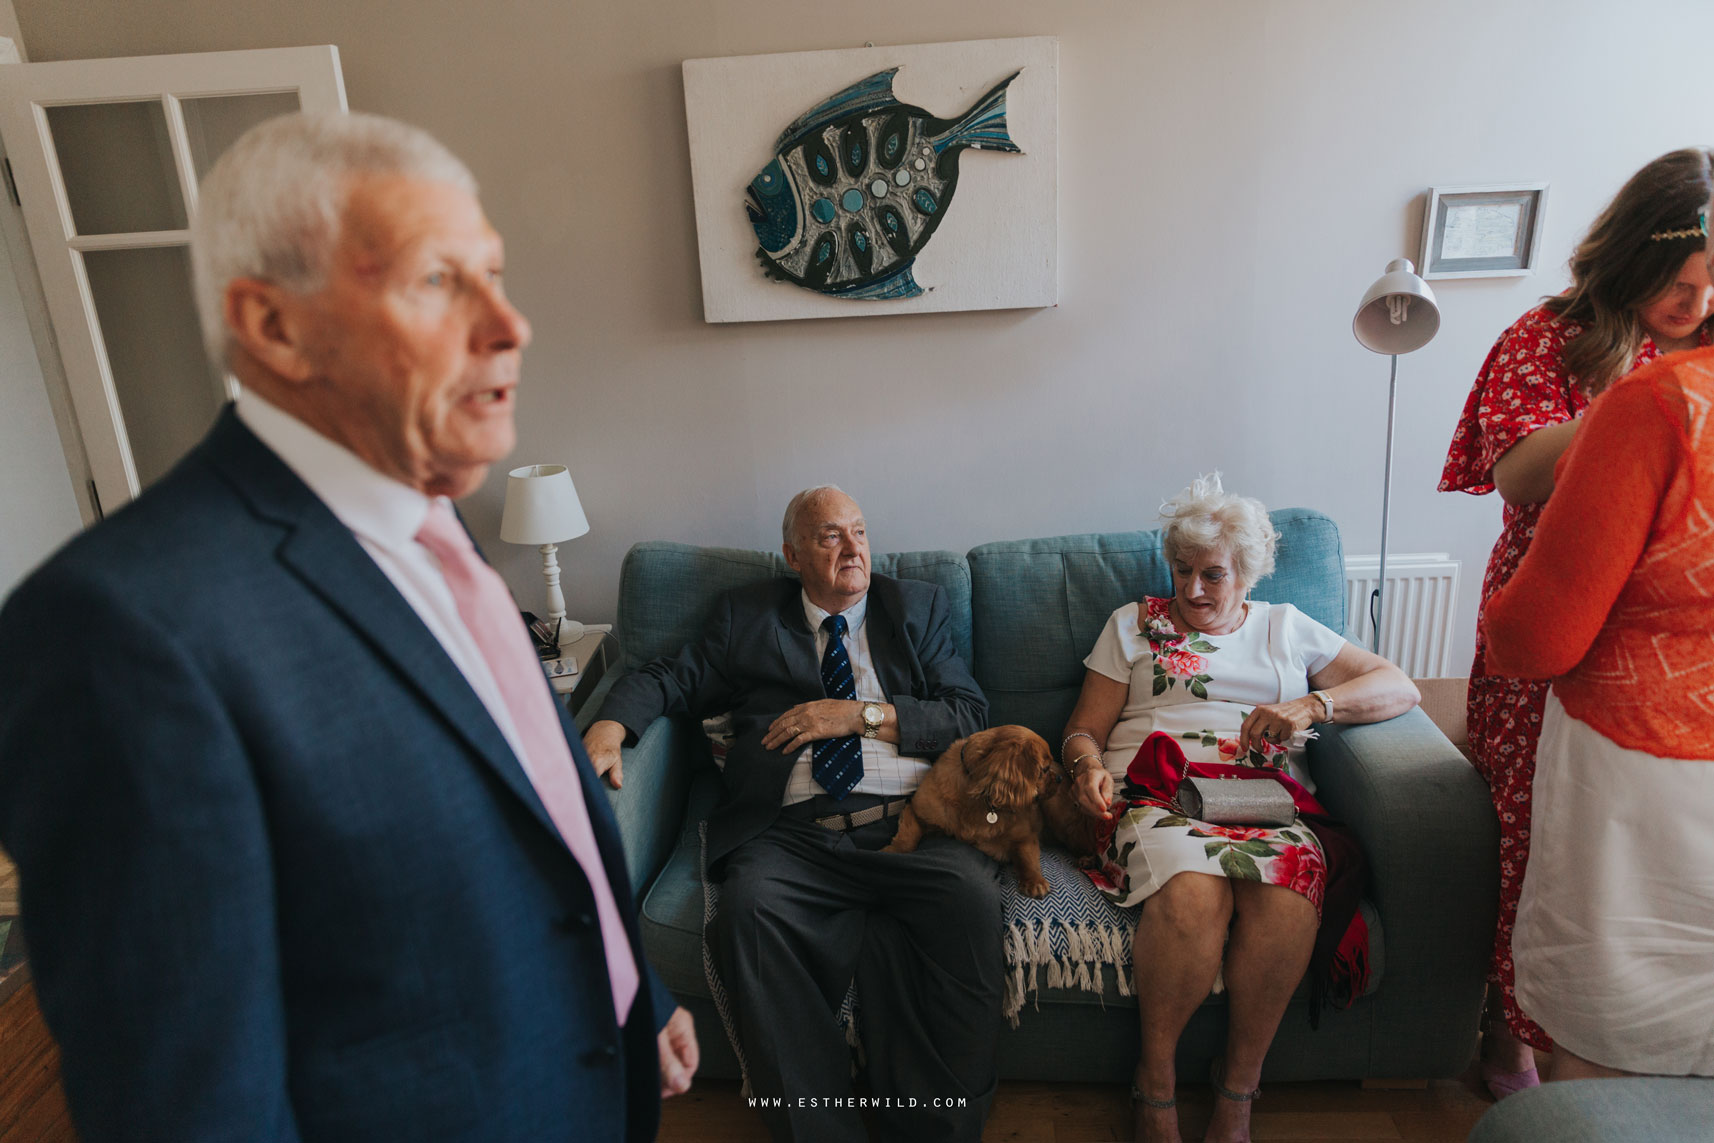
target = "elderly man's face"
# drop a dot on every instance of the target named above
(831, 551)
(412, 339)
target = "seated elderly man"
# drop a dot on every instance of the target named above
(842, 689)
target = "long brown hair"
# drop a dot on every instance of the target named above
(1620, 265)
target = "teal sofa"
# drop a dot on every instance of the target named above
(1026, 612)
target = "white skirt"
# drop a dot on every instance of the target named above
(1614, 943)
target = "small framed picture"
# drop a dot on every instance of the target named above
(1482, 232)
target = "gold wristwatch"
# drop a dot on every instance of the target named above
(873, 717)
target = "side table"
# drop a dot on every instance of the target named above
(592, 654)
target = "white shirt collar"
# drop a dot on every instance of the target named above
(376, 507)
(853, 615)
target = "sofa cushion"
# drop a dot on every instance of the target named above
(1038, 605)
(672, 911)
(667, 591)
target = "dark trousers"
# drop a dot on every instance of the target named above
(805, 910)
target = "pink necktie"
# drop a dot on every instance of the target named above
(493, 621)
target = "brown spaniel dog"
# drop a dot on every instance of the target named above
(986, 791)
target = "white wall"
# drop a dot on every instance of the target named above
(1232, 178)
(37, 509)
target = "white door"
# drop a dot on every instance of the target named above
(106, 156)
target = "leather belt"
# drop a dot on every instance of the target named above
(843, 822)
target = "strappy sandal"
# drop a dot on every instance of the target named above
(1216, 1073)
(1501, 1084)
(1137, 1096)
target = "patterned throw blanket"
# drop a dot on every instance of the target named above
(1068, 939)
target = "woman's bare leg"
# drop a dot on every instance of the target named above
(1273, 934)
(1569, 1066)
(1176, 958)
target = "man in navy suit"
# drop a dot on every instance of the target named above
(301, 859)
(843, 687)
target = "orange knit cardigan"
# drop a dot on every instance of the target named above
(1615, 598)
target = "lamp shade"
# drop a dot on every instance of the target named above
(541, 506)
(1398, 313)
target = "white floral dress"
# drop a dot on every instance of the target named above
(1199, 688)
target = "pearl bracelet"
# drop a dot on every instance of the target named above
(1077, 734)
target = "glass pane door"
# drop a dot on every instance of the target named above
(107, 155)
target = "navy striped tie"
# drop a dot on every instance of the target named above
(838, 762)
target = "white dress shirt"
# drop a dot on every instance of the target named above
(384, 515)
(885, 770)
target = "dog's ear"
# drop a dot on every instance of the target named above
(1010, 777)
(973, 757)
(1041, 759)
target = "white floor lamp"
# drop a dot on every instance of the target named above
(1398, 314)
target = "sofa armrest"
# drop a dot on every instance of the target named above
(650, 805)
(1432, 841)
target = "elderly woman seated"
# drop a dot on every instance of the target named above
(1229, 687)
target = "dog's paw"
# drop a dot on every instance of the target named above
(1033, 886)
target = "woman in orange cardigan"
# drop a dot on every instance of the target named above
(1614, 944)
(1639, 289)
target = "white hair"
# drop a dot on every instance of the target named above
(1205, 517)
(788, 526)
(271, 207)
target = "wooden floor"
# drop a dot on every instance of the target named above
(1443, 1112)
(32, 1103)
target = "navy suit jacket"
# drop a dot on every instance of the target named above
(282, 877)
(756, 658)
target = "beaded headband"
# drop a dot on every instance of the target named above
(1700, 230)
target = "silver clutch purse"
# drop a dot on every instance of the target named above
(1258, 801)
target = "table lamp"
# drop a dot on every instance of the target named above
(1398, 314)
(542, 509)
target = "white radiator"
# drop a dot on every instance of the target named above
(1421, 603)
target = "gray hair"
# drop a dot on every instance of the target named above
(1205, 517)
(788, 526)
(271, 207)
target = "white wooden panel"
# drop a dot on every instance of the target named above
(997, 246)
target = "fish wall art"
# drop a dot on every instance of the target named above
(859, 183)
(873, 201)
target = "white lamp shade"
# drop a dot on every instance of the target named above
(541, 506)
(1398, 313)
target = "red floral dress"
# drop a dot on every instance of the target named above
(1523, 387)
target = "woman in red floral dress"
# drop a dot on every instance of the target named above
(1640, 288)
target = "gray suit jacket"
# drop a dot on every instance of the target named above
(756, 659)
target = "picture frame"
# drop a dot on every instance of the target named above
(1490, 231)
(997, 246)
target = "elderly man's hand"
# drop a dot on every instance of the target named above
(679, 1053)
(813, 721)
(602, 742)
